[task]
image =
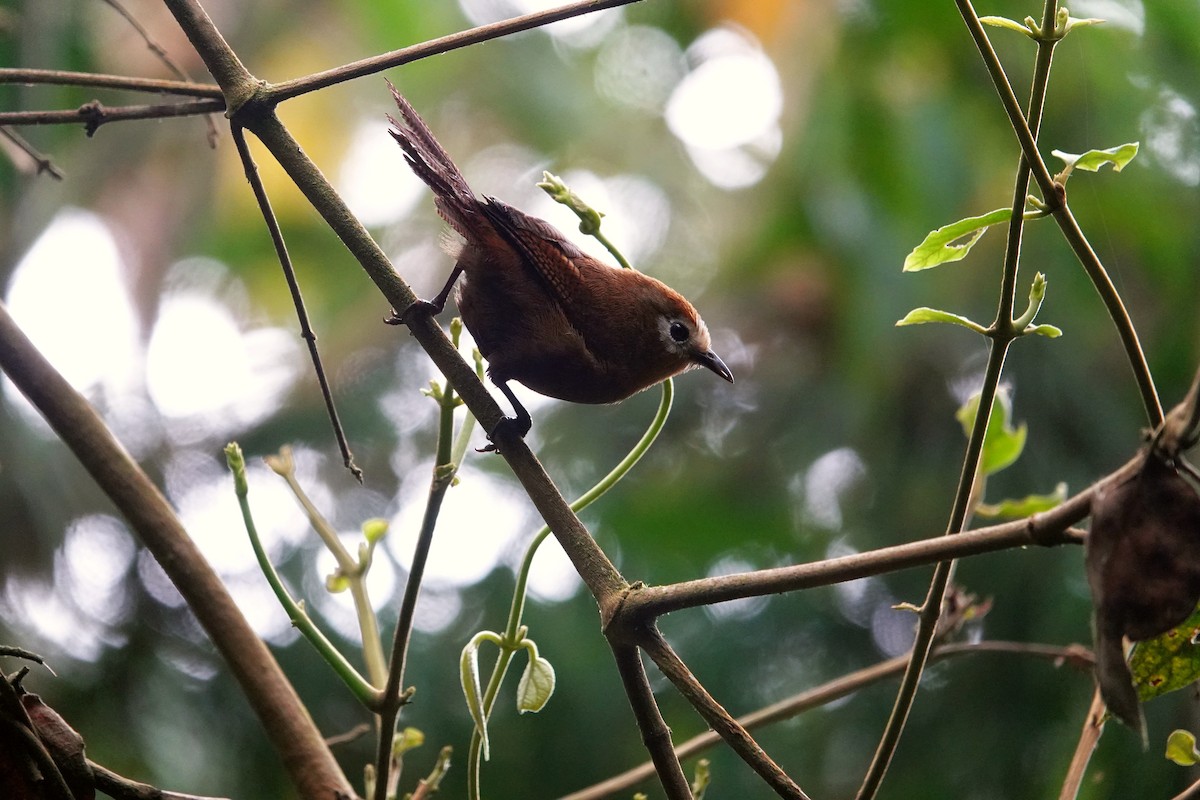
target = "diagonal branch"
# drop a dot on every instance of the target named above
(1055, 196)
(597, 572)
(824, 694)
(720, 720)
(308, 760)
(455, 41)
(656, 736)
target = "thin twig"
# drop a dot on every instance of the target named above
(43, 163)
(656, 736)
(1003, 333)
(161, 53)
(60, 77)
(445, 468)
(1055, 198)
(369, 66)
(1089, 737)
(289, 274)
(122, 788)
(95, 113)
(835, 689)
(154, 46)
(720, 720)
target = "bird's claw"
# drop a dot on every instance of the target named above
(417, 306)
(513, 428)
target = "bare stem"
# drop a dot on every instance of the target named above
(656, 736)
(287, 723)
(444, 470)
(824, 694)
(1054, 194)
(1003, 334)
(1089, 737)
(1047, 529)
(369, 66)
(289, 274)
(720, 720)
(41, 162)
(60, 77)
(95, 113)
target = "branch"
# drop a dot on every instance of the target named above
(121, 788)
(1003, 333)
(154, 46)
(41, 162)
(717, 717)
(656, 736)
(289, 275)
(593, 566)
(95, 113)
(59, 77)
(821, 695)
(285, 719)
(369, 66)
(1047, 529)
(1089, 737)
(1054, 194)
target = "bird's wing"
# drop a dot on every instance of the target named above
(556, 262)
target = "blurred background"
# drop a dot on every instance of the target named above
(774, 161)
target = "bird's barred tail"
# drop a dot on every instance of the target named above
(432, 164)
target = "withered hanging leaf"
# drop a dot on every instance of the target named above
(64, 744)
(1143, 567)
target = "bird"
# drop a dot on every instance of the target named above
(542, 312)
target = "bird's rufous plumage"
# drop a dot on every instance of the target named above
(544, 313)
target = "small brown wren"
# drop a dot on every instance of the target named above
(542, 312)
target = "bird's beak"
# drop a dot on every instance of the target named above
(712, 361)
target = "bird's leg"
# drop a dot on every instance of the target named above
(515, 426)
(432, 307)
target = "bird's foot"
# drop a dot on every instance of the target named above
(508, 428)
(417, 307)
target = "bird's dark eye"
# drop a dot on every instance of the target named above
(679, 332)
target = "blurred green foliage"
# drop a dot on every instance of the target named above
(839, 435)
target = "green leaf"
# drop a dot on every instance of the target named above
(537, 682)
(468, 674)
(1010, 24)
(1076, 22)
(939, 246)
(1168, 662)
(1093, 160)
(1049, 331)
(1002, 444)
(1181, 748)
(923, 316)
(1025, 506)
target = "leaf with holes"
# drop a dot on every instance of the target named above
(952, 242)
